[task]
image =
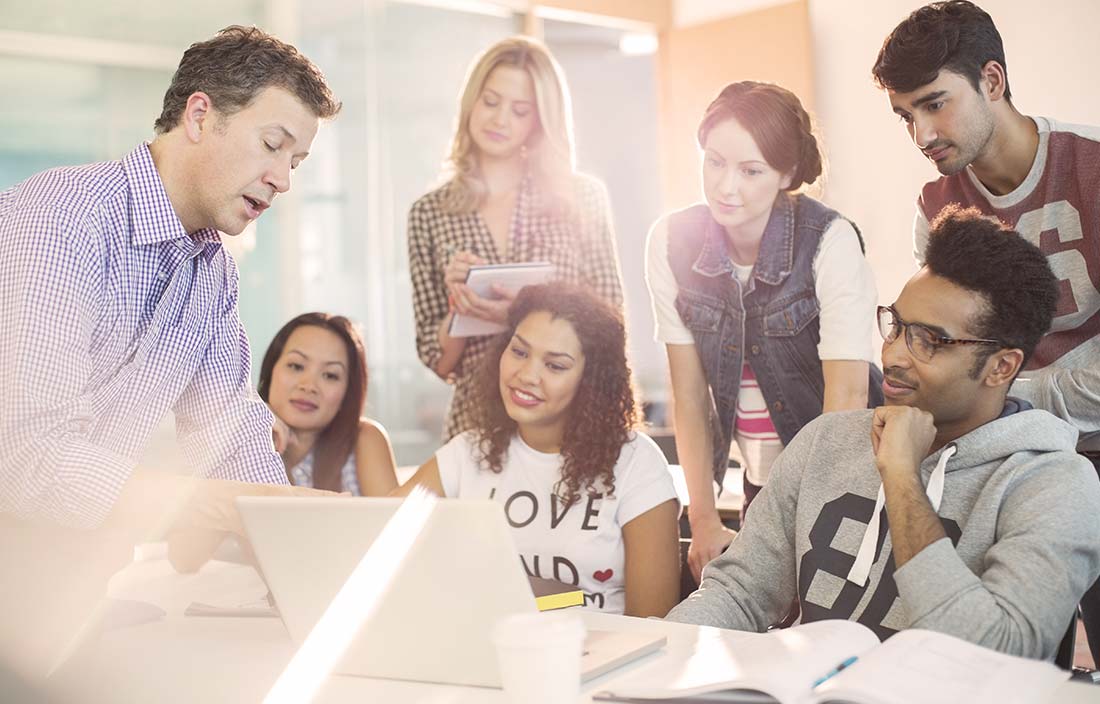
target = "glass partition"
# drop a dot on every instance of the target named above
(336, 242)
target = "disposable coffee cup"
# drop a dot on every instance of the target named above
(540, 657)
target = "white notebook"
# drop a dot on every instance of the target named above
(839, 661)
(510, 276)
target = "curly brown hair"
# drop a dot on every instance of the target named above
(235, 66)
(603, 412)
(983, 255)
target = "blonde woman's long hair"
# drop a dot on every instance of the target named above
(550, 147)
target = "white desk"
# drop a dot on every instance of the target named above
(733, 491)
(191, 659)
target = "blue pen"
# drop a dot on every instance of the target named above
(835, 671)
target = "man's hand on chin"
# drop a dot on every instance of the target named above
(901, 437)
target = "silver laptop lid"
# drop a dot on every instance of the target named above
(433, 622)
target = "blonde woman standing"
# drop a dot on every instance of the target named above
(511, 195)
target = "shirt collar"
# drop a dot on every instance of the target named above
(776, 256)
(714, 258)
(152, 218)
(773, 262)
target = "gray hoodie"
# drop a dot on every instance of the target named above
(1020, 508)
(1071, 394)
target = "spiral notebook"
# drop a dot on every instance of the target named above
(481, 280)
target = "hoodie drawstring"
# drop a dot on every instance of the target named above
(861, 568)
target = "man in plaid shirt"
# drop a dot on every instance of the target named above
(118, 304)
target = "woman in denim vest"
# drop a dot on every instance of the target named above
(763, 299)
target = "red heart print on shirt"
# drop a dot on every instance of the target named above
(603, 575)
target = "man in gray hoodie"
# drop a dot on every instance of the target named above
(953, 507)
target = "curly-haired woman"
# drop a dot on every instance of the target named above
(590, 500)
(512, 195)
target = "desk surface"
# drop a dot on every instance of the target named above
(728, 503)
(193, 659)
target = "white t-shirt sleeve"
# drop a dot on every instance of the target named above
(643, 480)
(847, 294)
(452, 459)
(920, 235)
(663, 288)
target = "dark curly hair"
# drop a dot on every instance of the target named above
(1012, 275)
(235, 66)
(601, 415)
(337, 441)
(778, 123)
(956, 35)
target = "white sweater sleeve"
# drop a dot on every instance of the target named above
(920, 235)
(663, 288)
(846, 291)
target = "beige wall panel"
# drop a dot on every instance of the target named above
(655, 12)
(771, 44)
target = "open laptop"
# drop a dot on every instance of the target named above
(434, 621)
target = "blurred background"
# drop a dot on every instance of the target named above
(83, 82)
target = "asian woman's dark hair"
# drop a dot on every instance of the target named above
(601, 415)
(337, 441)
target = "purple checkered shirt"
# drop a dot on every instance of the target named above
(110, 316)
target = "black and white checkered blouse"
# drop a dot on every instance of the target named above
(582, 248)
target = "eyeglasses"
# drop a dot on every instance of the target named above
(921, 341)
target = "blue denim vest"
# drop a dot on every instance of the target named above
(772, 321)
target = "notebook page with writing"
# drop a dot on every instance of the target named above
(923, 666)
(783, 664)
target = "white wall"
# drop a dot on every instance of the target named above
(875, 172)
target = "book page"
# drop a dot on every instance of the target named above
(262, 608)
(481, 280)
(923, 666)
(783, 664)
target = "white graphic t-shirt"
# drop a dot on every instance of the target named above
(581, 544)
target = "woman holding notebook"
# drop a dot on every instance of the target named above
(762, 297)
(590, 500)
(511, 196)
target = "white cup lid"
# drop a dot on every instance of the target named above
(538, 629)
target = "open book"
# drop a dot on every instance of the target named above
(481, 279)
(838, 661)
